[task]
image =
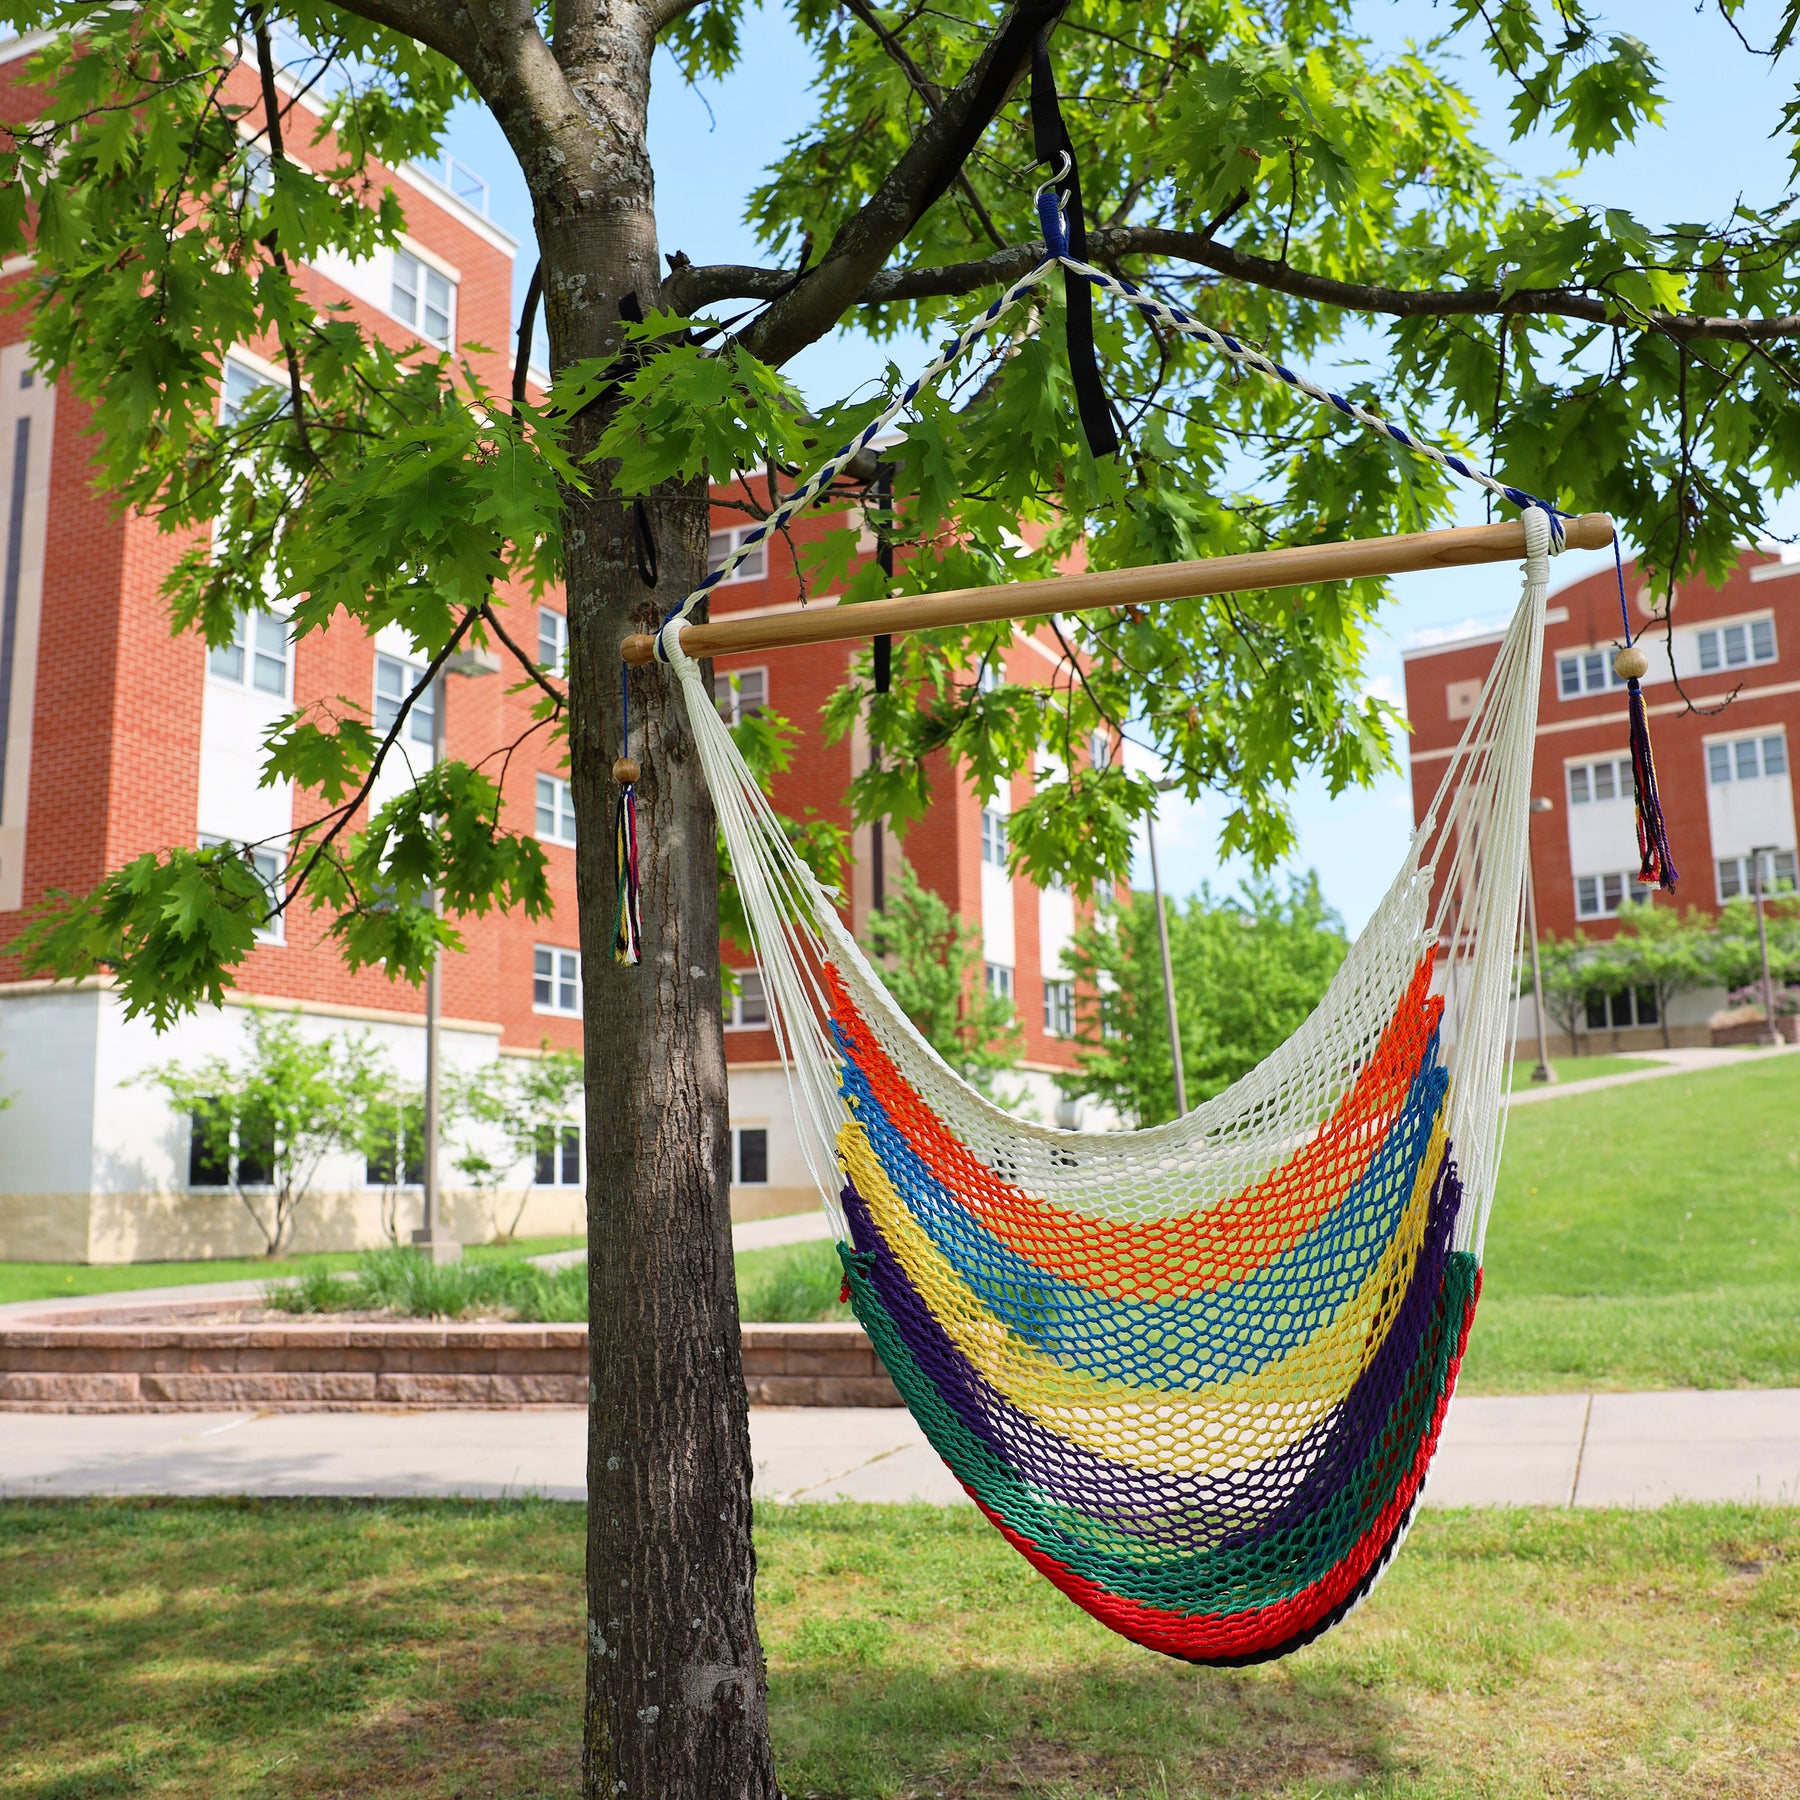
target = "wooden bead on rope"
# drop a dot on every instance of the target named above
(1631, 664)
(626, 771)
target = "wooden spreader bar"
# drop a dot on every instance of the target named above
(1102, 588)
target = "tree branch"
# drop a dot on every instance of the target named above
(691, 288)
(664, 13)
(933, 97)
(930, 164)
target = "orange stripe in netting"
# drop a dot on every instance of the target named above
(1193, 1253)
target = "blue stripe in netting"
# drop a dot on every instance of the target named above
(1193, 1341)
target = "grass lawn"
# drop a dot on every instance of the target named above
(1581, 1068)
(1647, 1236)
(269, 1650)
(54, 1281)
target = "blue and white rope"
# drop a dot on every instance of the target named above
(668, 646)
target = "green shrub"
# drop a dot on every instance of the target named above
(793, 1285)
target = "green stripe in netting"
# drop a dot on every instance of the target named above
(1234, 1580)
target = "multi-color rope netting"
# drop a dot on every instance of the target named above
(1194, 1374)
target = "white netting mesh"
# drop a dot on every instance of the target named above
(1459, 889)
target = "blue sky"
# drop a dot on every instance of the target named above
(711, 147)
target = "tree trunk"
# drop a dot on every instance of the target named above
(676, 1704)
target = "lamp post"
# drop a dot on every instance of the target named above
(1543, 1072)
(1770, 1034)
(1168, 967)
(431, 1240)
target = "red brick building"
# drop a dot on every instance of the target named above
(1723, 694)
(120, 738)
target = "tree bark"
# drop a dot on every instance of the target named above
(676, 1702)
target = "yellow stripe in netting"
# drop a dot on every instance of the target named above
(1182, 1431)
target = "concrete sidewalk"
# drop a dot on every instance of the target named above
(1546, 1450)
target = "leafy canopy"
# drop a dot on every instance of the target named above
(1265, 164)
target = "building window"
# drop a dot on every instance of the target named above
(748, 1008)
(257, 654)
(1778, 872)
(394, 680)
(1100, 750)
(1746, 759)
(239, 383)
(1736, 646)
(721, 544)
(247, 1161)
(423, 298)
(396, 1157)
(999, 979)
(268, 865)
(556, 981)
(553, 642)
(1620, 1011)
(993, 837)
(1601, 896)
(1609, 780)
(558, 1162)
(555, 810)
(1589, 673)
(1059, 1008)
(740, 694)
(750, 1156)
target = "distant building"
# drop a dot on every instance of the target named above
(1723, 742)
(120, 738)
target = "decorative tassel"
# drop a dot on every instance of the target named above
(628, 930)
(1656, 867)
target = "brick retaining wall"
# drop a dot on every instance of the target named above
(324, 1367)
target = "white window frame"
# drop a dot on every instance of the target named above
(1609, 892)
(253, 647)
(412, 314)
(559, 968)
(997, 978)
(1059, 1006)
(993, 837)
(748, 1008)
(553, 632)
(729, 696)
(1782, 870)
(557, 799)
(567, 1135)
(269, 865)
(738, 1134)
(1728, 752)
(424, 709)
(1581, 781)
(1584, 662)
(722, 543)
(1713, 646)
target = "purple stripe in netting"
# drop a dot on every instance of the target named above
(1175, 1512)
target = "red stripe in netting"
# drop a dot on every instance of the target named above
(1196, 1252)
(1207, 1637)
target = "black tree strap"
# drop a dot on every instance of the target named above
(1050, 140)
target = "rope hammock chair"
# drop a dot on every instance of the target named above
(1194, 1374)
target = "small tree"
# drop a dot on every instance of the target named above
(933, 967)
(265, 1119)
(1247, 972)
(1572, 969)
(522, 1105)
(1667, 951)
(390, 1133)
(1736, 952)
